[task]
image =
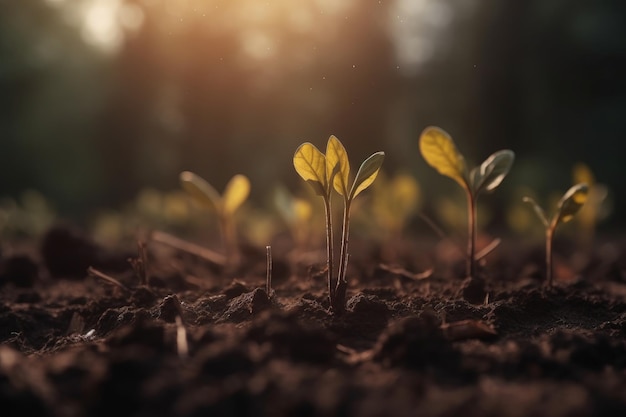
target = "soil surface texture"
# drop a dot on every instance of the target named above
(85, 332)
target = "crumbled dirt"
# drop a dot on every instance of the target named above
(200, 340)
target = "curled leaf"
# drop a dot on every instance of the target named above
(310, 164)
(200, 190)
(367, 173)
(538, 210)
(336, 155)
(492, 171)
(571, 202)
(440, 152)
(235, 193)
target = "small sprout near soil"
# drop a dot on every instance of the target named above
(567, 207)
(325, 172)
(440, 152)
(268, 275)
(235, 194)
(140, 263)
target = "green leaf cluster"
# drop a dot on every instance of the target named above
(332, 170)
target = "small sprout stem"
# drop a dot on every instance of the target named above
(181, 338)
(471, 242)
(342, 283)
(329, 249)
(549, 265)
(140, 264)
(268, 277)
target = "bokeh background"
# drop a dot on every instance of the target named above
(100, 99)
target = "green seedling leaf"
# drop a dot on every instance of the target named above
(492, 171)
(201, 190)
(336, 155)
(367, 173)
(310, 164)
(440, 152)
(538, 210)
(571, 202)
(236, 192)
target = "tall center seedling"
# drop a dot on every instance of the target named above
(440, 152)
(325, 172)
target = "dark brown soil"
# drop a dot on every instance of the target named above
(433, 344)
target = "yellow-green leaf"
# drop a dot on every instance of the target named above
(235, 193)
(199, 189)
(367, 173)
(571, 202)
(336, 154)
(440, 152)
(310, 164)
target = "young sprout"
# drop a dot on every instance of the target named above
(235, 194)
(440, 152)
(325, 172)
(567, 207)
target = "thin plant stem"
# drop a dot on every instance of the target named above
(342, 284)
(329, 249)
(471, 226)
(549, 267)
(268, 277)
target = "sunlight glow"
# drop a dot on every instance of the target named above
(417, 27)
(104, 22)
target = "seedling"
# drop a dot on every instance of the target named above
(440, 152)
(235, 194)
(325, 172)
(567, 207)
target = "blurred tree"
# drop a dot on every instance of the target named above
(51, 91)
